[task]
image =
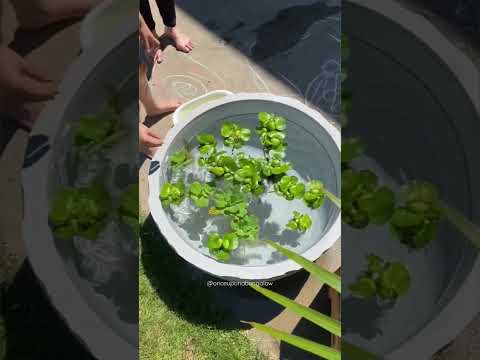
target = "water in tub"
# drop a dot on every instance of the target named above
(115, 168)
(273, 212)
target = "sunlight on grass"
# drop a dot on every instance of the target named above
(165, 335)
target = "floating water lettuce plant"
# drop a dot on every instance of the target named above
(416, 222)
(172, 193)
(233, 135)
(221, 246)
(299, 222)
(97, 131)
(180, 159)
(207, 143)
(386, 280)
(238, 178)
(364, 201)
(80, 212)
(290, 188)
(200, 194)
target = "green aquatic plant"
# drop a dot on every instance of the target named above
(364, 201)
(386, 280)
(290, 188)
(222, 246)
(172, 193)
(180, 159)
(207, 143)
(316, 192)
(271, 132)
(300, 222)
(416, 222)
(233, 135)
(200, 194)
(239, 178)
(81, 211)
(98, 131)
(249, 176)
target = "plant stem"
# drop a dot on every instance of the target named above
(465, 226)
(333, 199)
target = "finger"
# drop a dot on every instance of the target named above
(34, 72)
(152, 139)
(153, 43)
(31, 89)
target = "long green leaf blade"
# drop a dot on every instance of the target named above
(329, 278)
(297, 341)
(353, 352)
(333, 198)
(324, 321)
(465, 226)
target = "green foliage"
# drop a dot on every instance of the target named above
(207, 143)
(322, 275)
(229, 202)
(233, 135)
(416, 223)
(300, 222)
(80, 212)
(364, 202)
(271, 131)
(172, 193)
(180, 159)
(386, 280)
(326, 322)
(128, 209)
(290, 188)
(249, 176)
(314, 194)
(222, 246)
(246, 227)
(98, 131)
(241, 177)
(200, 194)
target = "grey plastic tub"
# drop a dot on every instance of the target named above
(314, 151)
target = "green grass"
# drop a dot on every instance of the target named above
(178, 318)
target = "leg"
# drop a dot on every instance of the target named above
(146, 12)
(167, 10)
(169, 17)
(153, 106)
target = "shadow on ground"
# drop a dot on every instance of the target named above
(184, 288)
(277, 36)
(308, 330)
(35, 330)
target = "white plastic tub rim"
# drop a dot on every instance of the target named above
(210, 265)
(79, 315)
(465, 304)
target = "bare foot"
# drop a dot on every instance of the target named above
(34, 14)
(181, 41)
(159, 107)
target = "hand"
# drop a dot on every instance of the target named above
(148, 140)
(20, 82)
(149, 42)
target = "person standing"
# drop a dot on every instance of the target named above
(167, 11)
